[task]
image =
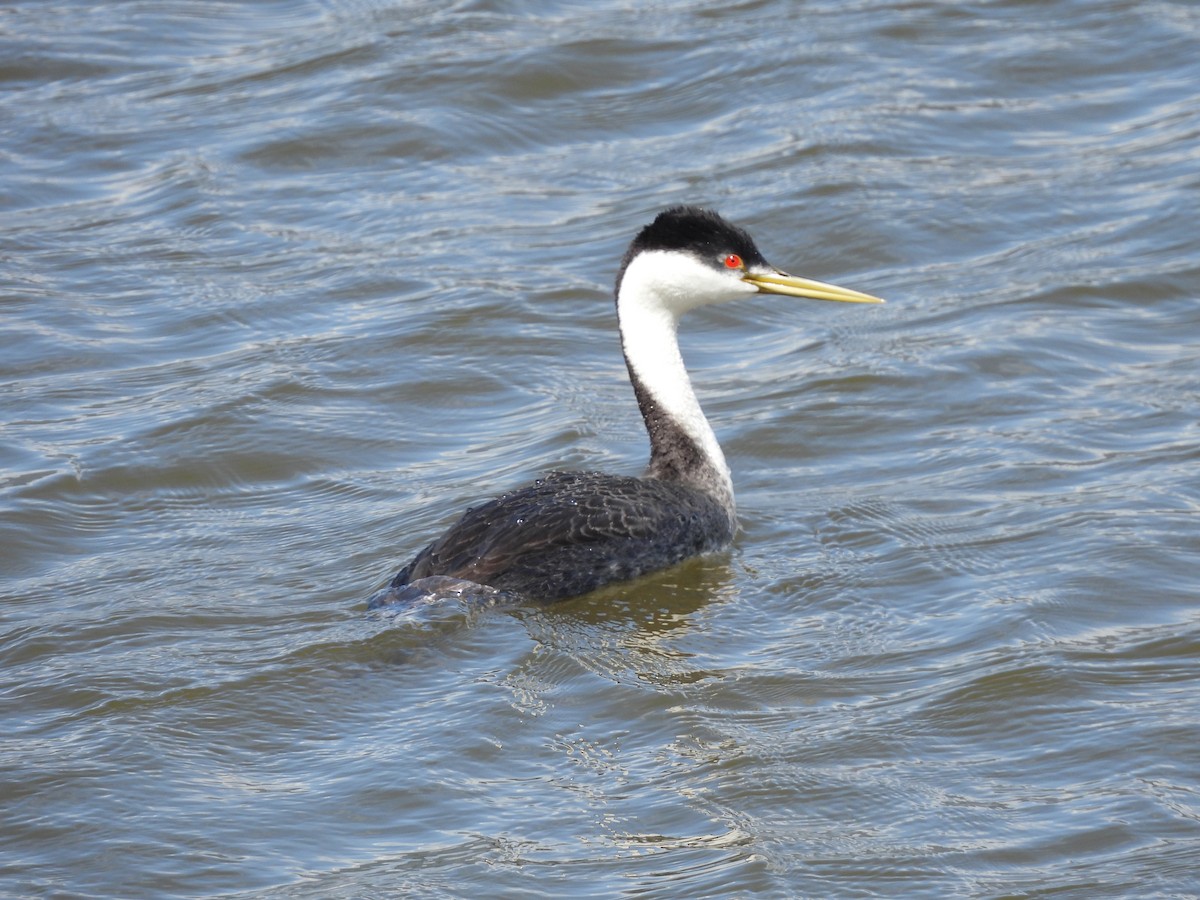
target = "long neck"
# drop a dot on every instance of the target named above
(683, 446)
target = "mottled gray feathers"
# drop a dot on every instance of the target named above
(572, 532)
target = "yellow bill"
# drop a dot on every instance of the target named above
(795, 286)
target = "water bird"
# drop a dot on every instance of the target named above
(569, 533)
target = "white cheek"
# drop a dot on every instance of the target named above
(679, 282)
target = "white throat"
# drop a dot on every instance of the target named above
(655, 290)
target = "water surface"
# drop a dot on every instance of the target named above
(284, 286)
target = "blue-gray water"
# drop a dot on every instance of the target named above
(286, 285)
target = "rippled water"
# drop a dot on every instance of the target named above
(286, 285)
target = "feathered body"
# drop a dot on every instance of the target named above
(572, 532)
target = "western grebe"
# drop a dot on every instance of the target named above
(571, 532)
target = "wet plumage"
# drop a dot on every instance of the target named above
(572, 532)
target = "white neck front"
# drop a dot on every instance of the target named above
(648, 309)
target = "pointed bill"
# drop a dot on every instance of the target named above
(794, 286)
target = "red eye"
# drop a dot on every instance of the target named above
(733, 261)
